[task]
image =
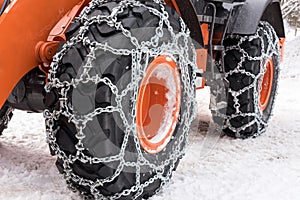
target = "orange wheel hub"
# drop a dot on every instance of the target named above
(158, 104)
(266, 88)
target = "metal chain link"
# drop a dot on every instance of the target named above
(264, 32)
(178, 47)
(6, 117)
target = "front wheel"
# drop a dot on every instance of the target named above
(252, 70)
(121, 99)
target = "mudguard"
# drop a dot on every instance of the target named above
(23, 25)
(186, 10)
(251, 12)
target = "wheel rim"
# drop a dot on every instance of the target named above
(158, 104)
(266, 87)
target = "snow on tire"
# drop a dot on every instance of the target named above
(94, 121)
(252, 69)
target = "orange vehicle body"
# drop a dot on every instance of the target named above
(42, 26)
(23, 26)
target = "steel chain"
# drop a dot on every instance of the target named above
(6, 117)
(178, 47)
(266, 54)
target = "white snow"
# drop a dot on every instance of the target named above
(165, 73)
(214, 168)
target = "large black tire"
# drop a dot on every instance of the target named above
(6, 114)
(246, 58)
(90, 156)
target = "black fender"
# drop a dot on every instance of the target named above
(251, 12)
(188, 13)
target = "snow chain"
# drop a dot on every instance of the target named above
(6, 117)
(266, 54)
(149, 48)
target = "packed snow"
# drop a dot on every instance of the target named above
(214, 168)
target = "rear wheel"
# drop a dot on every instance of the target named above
(121, 99)
(252, 69)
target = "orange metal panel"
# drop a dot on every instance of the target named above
(23, 24)
(205, 33)
(201, 60)
(202, 54)
(173, 4)
(1, 2)
(45, 50)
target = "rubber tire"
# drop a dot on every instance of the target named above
(110, 132)
(5, 112)
(237, 81)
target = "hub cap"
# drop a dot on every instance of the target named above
(158, 104)
(266, 88)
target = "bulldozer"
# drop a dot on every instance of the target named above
(116, 81)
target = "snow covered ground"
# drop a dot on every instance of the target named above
(267, 167)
